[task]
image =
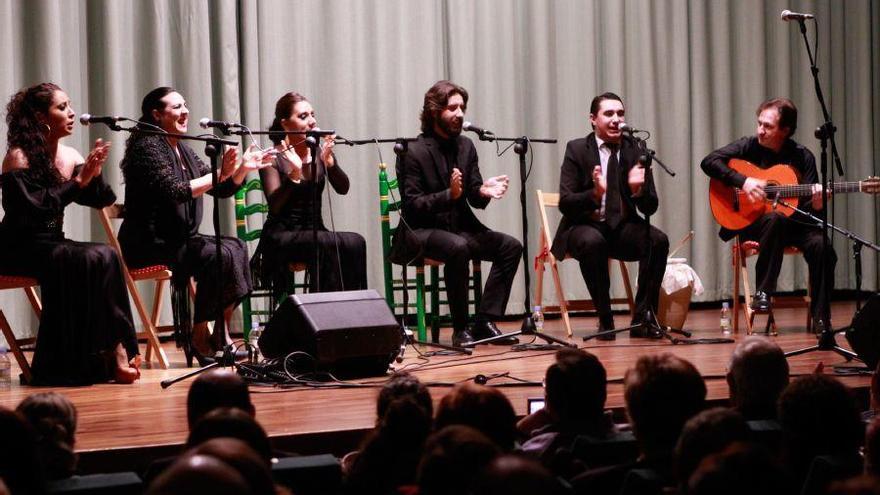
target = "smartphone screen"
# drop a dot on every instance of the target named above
(535, 404)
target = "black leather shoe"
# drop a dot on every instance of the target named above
(461, 338)
(761, 302)
(603, 326)
(486, 329)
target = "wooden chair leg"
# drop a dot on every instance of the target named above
(16, 350)
(747, 293)
(624, 272)
(420, 303)
(736, 282)
(34, 300)
(560, 294)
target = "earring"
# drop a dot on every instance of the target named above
(48, 128)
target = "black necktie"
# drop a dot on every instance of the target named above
(613, 206)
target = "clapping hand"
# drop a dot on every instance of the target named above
(327, 150)
(229, 165)
(636, 179)
(495, 187)
(455, 187)
(599, 184)
(94, 163)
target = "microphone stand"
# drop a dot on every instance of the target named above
(212, 150)
(521, 147)
(651, 325)
(824, 133)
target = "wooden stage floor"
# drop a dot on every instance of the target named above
(121, 423)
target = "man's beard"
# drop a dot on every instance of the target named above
(451, 129)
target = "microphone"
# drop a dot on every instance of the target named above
(624, 127)
(206, 123)
(87, 118)
(788, 15)
(468, 126)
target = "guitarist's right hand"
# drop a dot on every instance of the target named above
(754, 189)
(599, 184)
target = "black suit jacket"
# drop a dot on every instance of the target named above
(577, 201)
(424, 184)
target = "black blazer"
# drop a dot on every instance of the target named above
(577, 201)
(424, 185)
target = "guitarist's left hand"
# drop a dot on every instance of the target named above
(636, 179)
(816, 199)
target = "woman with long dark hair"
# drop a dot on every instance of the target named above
(164, 184)
(86, 333)
(290, 191)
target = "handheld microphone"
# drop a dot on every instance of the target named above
(624, 127)
(206, 123)
(86, 119)
(469, 126)
(788, 15)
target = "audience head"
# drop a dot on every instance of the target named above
(758, 373)
(866, 484)
(819, 416)
(511, 474)
(739, 469)
(217, 388)
(200, 474)
(239, 456)
(53, 418)
(661, 393)
(403, 385)
(230, 422)
(20, 466)
(706, 433)
(872, 447)
(436, 100)
(481, 407)
(574, 387)
(452, 459)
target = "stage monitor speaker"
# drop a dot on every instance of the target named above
(863, 334)
(352, 333)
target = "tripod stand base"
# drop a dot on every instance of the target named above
(653, 329)
(826, 342)
(527, 328)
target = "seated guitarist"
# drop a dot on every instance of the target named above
(772, 145)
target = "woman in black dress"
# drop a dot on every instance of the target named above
(86, 333)
(290, 191)
(164, 184)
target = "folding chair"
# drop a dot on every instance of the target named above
(15, 344)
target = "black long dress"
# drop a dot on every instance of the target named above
(287, 233)
(161, 225)
(86, 313)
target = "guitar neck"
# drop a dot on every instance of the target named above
(800, 190)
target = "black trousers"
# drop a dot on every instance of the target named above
(775, 232)
(456, 250)
(592, 245)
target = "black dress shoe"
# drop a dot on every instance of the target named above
(461, 338)
(606, 326)
(486, 329)
(761, 302)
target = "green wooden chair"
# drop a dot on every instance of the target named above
(244, 209)
(394, 286)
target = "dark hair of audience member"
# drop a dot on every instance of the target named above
(452, 459)
(872, 447)
(739, 469)
(231, 422)
(865, 484)
(512, 474)
(217, 388)
(389, 456)
(706, 433)
(481, 407)
(575, 388)
(238, 455)
(758, 373)
(53, 418)
(200, 474)
(661, 393)
(819, 416)
(20, 466)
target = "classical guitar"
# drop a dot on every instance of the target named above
(733, 209)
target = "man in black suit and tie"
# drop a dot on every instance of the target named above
(602, 187)
(440, 182)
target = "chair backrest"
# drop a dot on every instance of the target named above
(312, 474)
(95, 484)
(243, 210)
(387, 206)
(546, 200)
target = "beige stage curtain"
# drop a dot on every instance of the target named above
(691, 71)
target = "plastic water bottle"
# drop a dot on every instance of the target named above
(253, 340)
(5, 370)
(538, 318)
(725, 319)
